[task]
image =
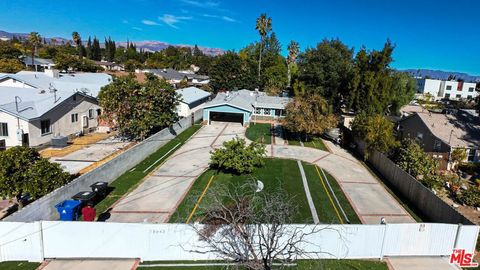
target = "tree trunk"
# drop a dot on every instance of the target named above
(260, 63)
(289, 75)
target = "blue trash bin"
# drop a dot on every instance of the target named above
(68, 210)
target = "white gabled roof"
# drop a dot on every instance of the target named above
(191, 94)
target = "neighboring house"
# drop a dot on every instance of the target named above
(39, 64)
(439, 134)
(175, 77)
(454, 90)
(110, 66)
(38, 106)
(191, 99)
(244, 106)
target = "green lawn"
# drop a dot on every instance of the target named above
(301, 265)
(316, 142)
(259, 132)
(313, 141)
(323, 205)
(276, 173)
(131, 178)
(18, 266)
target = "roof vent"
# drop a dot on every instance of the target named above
(42, 91)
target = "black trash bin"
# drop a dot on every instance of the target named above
(85, 197)
(101, 188)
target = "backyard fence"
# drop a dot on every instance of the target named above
(44, 208)
(429, 204)
(41, 240)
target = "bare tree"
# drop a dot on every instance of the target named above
(252, 228)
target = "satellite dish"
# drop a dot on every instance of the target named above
(260, 186)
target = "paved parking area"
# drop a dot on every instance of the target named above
(157, 197)
(80, 159)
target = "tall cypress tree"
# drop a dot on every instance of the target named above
(89, 48)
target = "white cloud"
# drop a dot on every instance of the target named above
(204, 4)
(148, 22)
(137, 28)
(229, 19)
(125, 22)
(172, 20)
(225, 18)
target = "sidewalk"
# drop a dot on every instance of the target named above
(127, 264)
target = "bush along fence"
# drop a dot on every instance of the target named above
(44, 208)
(429, 204)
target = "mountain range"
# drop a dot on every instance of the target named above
(149, 45)
(442, 75)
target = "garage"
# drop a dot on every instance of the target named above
(226, 117)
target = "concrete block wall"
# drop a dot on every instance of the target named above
(44, 208)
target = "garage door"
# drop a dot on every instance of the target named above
(226, 117)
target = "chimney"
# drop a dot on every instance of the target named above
(52, 73)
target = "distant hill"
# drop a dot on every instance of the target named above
(442, 75)
(151, 46)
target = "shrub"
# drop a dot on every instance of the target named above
(470, 197)
(433, 181)
(238, 157)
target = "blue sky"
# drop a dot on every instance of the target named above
(428, 34)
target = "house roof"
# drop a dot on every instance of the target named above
(47, 92)
(248, 100)
(191, 94)
(27, 60)
(172, 74)
(459, 130)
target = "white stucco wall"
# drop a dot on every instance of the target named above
(12, 125)
(439, 89)
(183, 110)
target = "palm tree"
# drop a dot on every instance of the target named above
(293, 49)
(53, 41)
(263, 26)
(78, 41)
(34, 39)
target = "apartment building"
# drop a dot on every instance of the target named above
(454, 90)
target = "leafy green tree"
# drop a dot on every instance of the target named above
(139, 109)
(376, 131)
(69, 62)
(131, 65)
(22, 171)
(275, 79)
(9, 51)
(10, 65)
(412, 159)
(237, 157)
(229, 71)
(309, 115)
(264, 27)
(458, 155)
(327, 70)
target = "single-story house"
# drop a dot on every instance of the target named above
(244, 106)
(39, 64)
(175, 77)
(110, 66)
(440, 133)
(38, 106)
(191, 100)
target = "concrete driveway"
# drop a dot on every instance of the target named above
(158, 196)
(78, 160)
(127, 264)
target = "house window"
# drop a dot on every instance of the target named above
(469, 97)
(45, 126)
(471, 155)
(91, 113)
(447, 96)
(419, 136)
(449, 87)
(74, 117)
(258, 110)
(74, 97)
(99, 112)
(470, 89)
(437, 145)
(266, 111)
(4, 129)
(458, 96)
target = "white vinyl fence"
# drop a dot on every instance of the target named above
(56, 239)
